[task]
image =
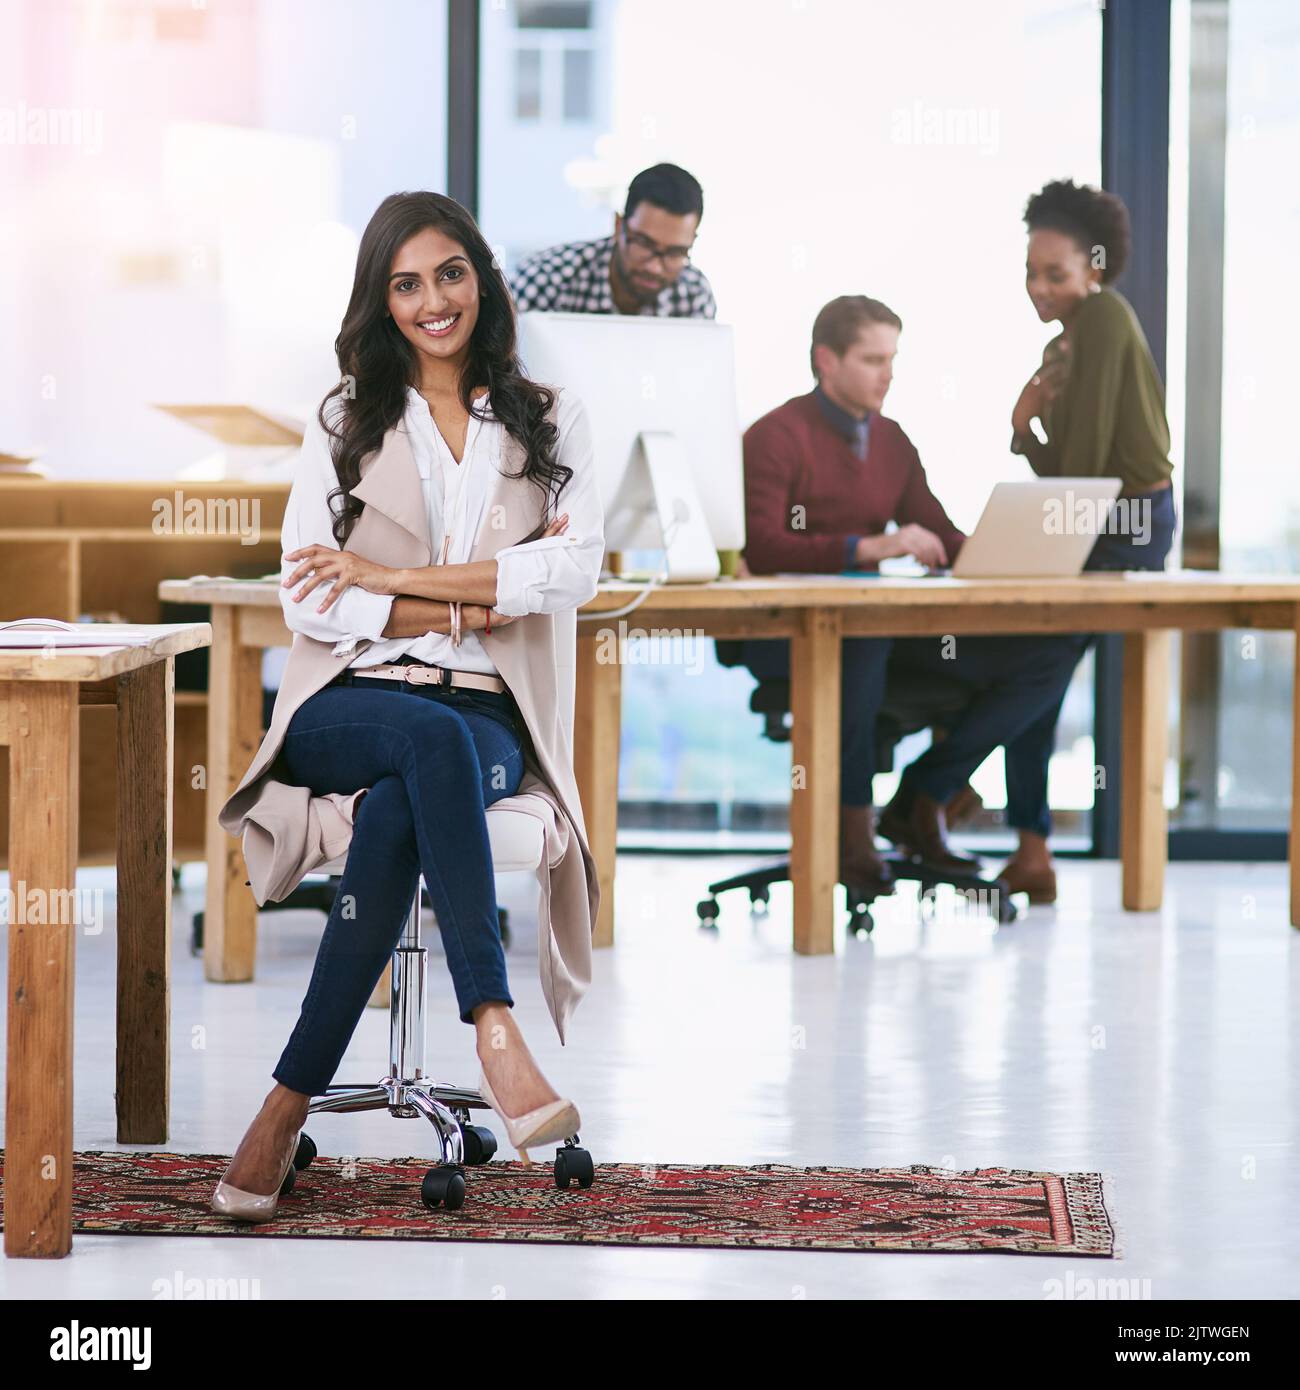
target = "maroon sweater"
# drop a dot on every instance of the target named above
(795, 457)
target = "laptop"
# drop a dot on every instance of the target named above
(1041, 529)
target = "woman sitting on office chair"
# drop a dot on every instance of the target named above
(433, 402)
(1100, 402)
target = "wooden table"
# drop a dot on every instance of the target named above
(40, 692)
(816, 613)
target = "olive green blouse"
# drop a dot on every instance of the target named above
(1108, 418)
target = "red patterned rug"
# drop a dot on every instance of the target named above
(767, 1207)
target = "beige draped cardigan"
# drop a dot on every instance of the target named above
(286, 831)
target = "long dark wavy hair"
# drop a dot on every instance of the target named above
(377, 364)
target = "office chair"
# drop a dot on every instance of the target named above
(911, 703)
(406, 1092)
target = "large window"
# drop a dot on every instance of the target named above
(1234, 69)
(842, 149)
(546, 92)
(199, 233)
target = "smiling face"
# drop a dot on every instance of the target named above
(433, 295)
(859, 380)
(1059, 274)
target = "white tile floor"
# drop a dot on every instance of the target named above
(1160, 1049)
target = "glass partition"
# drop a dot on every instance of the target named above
(1236, 70)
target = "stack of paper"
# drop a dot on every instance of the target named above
(32, 633)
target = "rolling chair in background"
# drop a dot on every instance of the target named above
(911, 703)
(407, 1092)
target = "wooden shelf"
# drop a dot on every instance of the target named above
(85, 547)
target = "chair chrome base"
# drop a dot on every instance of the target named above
(408, 1094)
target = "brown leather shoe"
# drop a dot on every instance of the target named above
(963, 807)
(922, 831)
(861, 867)
(1040, 884)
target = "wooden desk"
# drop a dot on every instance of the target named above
(816, 613)
(40, 696)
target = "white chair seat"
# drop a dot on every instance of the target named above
(517, 841)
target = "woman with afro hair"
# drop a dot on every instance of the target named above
(1099, 402)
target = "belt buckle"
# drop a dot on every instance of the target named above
(444, 675)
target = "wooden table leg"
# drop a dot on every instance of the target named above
(234, 732)
(1293, 848)
(597, 722)
(815, 659)
(145, 724)
(40, 724)
(1144, 838)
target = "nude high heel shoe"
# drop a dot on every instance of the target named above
(548, 1124)
(253, 1206)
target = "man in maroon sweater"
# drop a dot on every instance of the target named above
(825, 474)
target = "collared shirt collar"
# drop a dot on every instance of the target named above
(415, 401)
(424, 433)
(841, 421)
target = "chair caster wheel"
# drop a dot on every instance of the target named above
(443, 1187)
(479, 1142)
(196, 934)
(574, 1165)
(707, 911)
(286, 1187)
(758, 899)
(306, 1151)
(860, 922)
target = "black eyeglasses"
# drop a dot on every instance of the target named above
(671, 256)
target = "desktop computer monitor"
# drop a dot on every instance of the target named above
(661, 397)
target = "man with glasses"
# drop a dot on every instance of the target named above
(644, 268)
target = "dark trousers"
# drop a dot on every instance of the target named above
(1014, 681)
(1029, 756)
(434, 760)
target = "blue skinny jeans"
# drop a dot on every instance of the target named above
(1029, 756)
(433, 759)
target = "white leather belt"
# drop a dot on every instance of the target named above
(429, 675)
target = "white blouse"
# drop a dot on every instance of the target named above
(548, 575)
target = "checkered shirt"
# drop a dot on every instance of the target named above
(574, 278)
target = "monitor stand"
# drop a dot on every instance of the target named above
(658, 484)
